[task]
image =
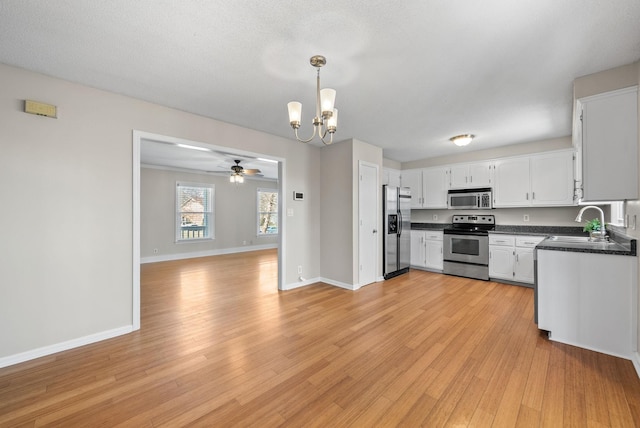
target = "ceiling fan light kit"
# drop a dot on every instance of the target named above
(462, 140)
(326, 119)
(238, 172)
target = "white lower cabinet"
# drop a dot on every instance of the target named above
(426, 249)
(511, 257)
(589, 300)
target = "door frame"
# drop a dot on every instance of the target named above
(377, 221)
(137, 138)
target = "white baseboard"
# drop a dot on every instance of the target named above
(636, 362)
(63, 346)
(215, 252)
(305, 282)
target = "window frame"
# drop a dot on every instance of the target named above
(208, 214)
(274, 212)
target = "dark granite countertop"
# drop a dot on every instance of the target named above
(619, 244)
(539, 230)
(428, 226)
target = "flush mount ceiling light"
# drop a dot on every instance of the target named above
(325, 99)
(462, 140)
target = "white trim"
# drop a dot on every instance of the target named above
(312, 281)
(636, 362)
(64, 346)
(206, 253)
(135, 300)
(138, 136)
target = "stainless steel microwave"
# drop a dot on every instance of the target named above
(470, 199)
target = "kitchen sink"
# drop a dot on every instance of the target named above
(570, 238)
(578, 240)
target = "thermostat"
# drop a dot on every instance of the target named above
(298, 196)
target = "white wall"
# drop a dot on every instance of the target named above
(66, 271)
(337, 213)
(235, 215)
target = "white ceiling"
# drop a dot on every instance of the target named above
(409, 74)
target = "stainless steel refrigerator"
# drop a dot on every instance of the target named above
(396, 214)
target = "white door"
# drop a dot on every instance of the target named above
(368, 212)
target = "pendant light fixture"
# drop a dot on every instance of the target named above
(462, 140)
(326, 119)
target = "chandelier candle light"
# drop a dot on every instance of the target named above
(325, 111)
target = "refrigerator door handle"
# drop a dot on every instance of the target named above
(399, 223)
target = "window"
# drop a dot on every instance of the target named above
(267, 212)
(194, 211)
(617, 213)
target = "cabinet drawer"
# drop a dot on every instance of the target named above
(528, 241)
(433, 236)
(506, 240)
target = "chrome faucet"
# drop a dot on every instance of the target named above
(602, 233)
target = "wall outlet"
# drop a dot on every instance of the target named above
(525, 217)
(435, 216)
(244, 242)
(155, 251)
(299, 270)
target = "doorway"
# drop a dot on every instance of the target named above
(274, 167)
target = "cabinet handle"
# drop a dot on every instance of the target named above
(533, 195)
(471, 179)
(527, 196)
(517, 259)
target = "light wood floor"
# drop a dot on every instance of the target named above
(220, 346)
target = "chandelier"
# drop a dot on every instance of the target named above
(325, 112)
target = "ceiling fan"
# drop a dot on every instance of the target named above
(238, 169)
(238, 172)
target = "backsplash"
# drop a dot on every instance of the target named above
(547, 216)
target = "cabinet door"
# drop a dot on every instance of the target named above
(523, 268)
(417, 249)
(412, 178)
(391, 177)
(434, 258)
(552, 179)
(501, 262)
(480, 174)
(512, 182)
(610, 145)
(435, 187)
(459, 178)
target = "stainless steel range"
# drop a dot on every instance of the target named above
(466, 246)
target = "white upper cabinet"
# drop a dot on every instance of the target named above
(470, 175)
(412, 178)
(544, 179)
(512, 182)
(435, 186)
(429, 186)
(552, 179)
(607, 144)
(391, 177)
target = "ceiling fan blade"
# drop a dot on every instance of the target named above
(251, 171)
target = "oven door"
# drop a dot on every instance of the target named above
(466, 248)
